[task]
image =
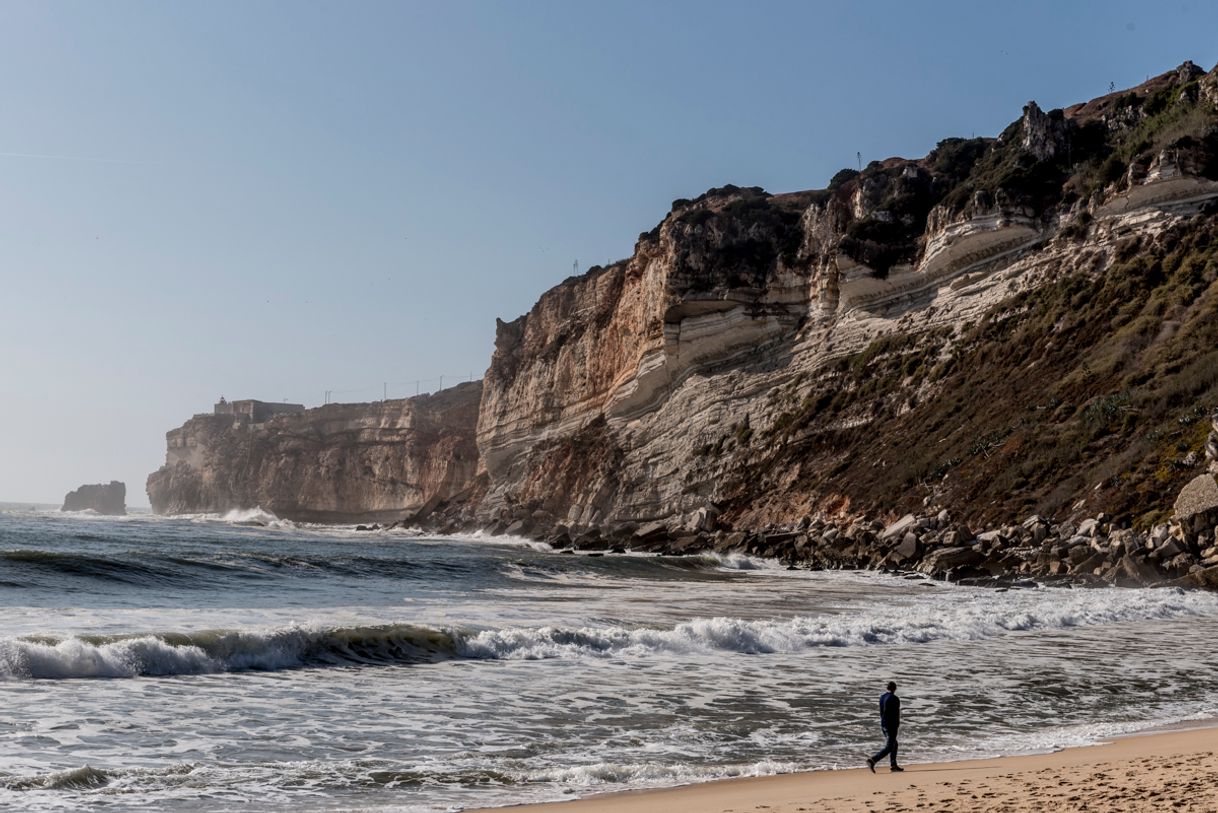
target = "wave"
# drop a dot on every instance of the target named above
(738, 561)
(256, 517)
(925, 621)
(957, 617)
(93, 566)
(163, 654)
(636, 774)
(83, 778)
(201, 569)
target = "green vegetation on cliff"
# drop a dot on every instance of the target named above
(1096, 383)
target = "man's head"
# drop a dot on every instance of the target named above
(892, 687)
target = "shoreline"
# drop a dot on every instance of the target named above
(1175, 767)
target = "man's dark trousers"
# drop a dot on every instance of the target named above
(890, 748)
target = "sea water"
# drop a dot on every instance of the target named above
(212, 663)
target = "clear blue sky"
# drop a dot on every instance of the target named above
(272, 200)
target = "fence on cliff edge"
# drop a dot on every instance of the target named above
(395, 389)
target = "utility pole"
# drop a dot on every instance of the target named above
(859, 155)
(441, 383)
(416, 388)
(384, 391)
(575, 268)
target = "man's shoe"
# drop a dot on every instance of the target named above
(893, 769)
(871, 764)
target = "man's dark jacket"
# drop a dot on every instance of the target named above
(890, 712)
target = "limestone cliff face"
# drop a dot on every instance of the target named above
(341, 462)
(754, 355)
(612, 345)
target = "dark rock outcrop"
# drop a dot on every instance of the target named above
(103, 498)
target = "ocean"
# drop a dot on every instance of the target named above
(218, 663)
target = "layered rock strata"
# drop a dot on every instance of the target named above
(762, 357)
(337, 463)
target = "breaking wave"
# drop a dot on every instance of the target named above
(219, 651)
(83, 778)
(931, 618)
(256, 517)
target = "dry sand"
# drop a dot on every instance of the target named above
(1168, 771)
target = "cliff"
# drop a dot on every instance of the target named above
(337, 463)
(1016, 333)
(1006, 326)
(104, 498)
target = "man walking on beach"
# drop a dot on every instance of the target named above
(890, 721)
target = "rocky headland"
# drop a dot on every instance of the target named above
(103, 498)
(996, 361)
(338, 463)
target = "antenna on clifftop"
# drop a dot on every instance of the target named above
(575, 268)
(859, 156)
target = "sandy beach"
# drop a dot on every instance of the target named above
(1171, 770)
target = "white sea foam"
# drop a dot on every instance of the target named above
(651, 773)
(197, 653)
(257, 517)
(922, 621)
(76, 658)
(739, 561)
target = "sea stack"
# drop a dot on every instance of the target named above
(109, 499)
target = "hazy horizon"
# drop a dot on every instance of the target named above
(275, 201)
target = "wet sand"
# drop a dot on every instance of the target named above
(1165, 771)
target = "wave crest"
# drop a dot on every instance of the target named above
(83, 778)
(926, 619)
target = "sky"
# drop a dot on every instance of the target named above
(279, 199)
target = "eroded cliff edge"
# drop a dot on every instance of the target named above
(382, 461)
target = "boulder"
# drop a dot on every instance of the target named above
(652, 532)
(1197, 504)
(1080, 553)
(898, 529)
(1138, 571)
(104, 498)
(957, 536)
(703, 519)
(1171, 547)
(945, 559)
(907, 548)
(589, 539)
(1205, 577)
(1094, 562)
